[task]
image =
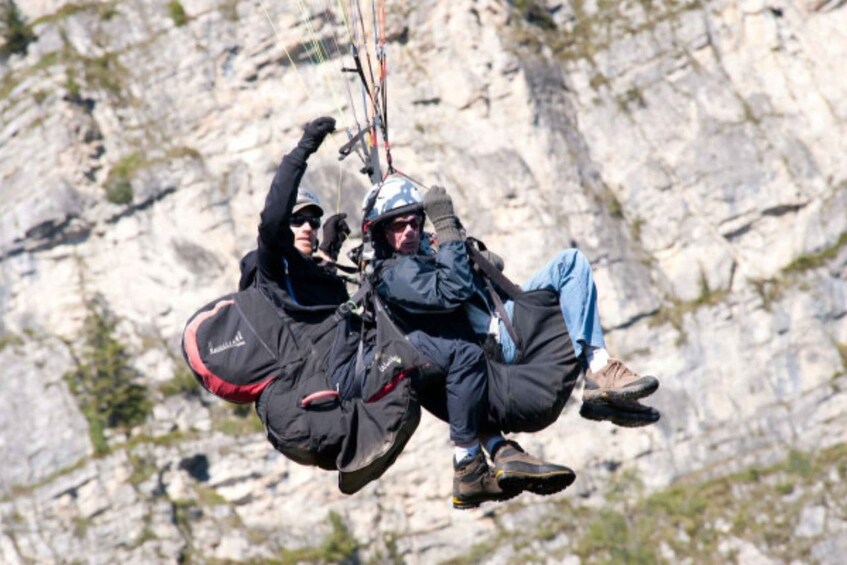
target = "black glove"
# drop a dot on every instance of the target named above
(439, 207)
(314, 133)
(335, 233)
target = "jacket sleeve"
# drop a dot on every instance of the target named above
(421, 284)
(276, 240)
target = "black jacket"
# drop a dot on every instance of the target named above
(281, 271)
(427, 292)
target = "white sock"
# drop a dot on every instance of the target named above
(597, 358)
(460, 453)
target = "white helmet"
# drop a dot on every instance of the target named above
(395, 196)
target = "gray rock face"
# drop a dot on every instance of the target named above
(694, 152)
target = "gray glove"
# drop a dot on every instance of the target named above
(439, 207)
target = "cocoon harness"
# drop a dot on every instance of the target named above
(231, 345)
(529, 394)
(244, 348)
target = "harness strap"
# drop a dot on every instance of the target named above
(501, 312)
(493, 273)
(346, 308)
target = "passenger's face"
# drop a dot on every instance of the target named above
(403, 233)
(305, 224)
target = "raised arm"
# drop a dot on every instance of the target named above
(275, 236)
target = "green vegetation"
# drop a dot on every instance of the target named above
(690, 521)
(842, 352)
(207, 496)
(16, 32)
(592, 29)
(636, 227)
(177, 13)
(10, 340)
(339, 546)
(772, 289)
(25, 490)
(815, 260)
(107, 10)
(674, 312)
(613, 205)
(477, 554)
(104, 383)
(769, 290)
(535, 14)
(80, 526)
(183, 382)
(240, 420)
(184, 513)
(707, 296)
(104, 72)
(118, 183)
(143, 467)
(171, 438)
(393, 555)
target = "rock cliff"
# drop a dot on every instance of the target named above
(692, 150)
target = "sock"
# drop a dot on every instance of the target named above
(597, 358)
(492, 442)
(460, 453)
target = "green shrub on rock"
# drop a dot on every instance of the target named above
(16, 32)
(103, 381)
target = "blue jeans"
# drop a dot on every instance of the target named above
(568, 274)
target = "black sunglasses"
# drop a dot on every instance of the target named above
(299, 219)
(400, 225)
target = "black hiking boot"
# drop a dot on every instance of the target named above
(616, 382)
(516, 471)
(474, 483)
(624, 413)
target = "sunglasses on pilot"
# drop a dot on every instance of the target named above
(298, 220)
(401, 225)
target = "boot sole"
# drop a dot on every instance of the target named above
(460, 504)
(644, 387)
(537, 483)
(620, 415)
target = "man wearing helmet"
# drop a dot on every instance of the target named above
(611, 388)
(426, 291)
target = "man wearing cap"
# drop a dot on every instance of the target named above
(284, 263)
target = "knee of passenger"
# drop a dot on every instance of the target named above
(571, 258)
(470, 354)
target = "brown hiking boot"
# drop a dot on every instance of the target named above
(624, 413)
(516, 471)
(474, 483)
(616, 382)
